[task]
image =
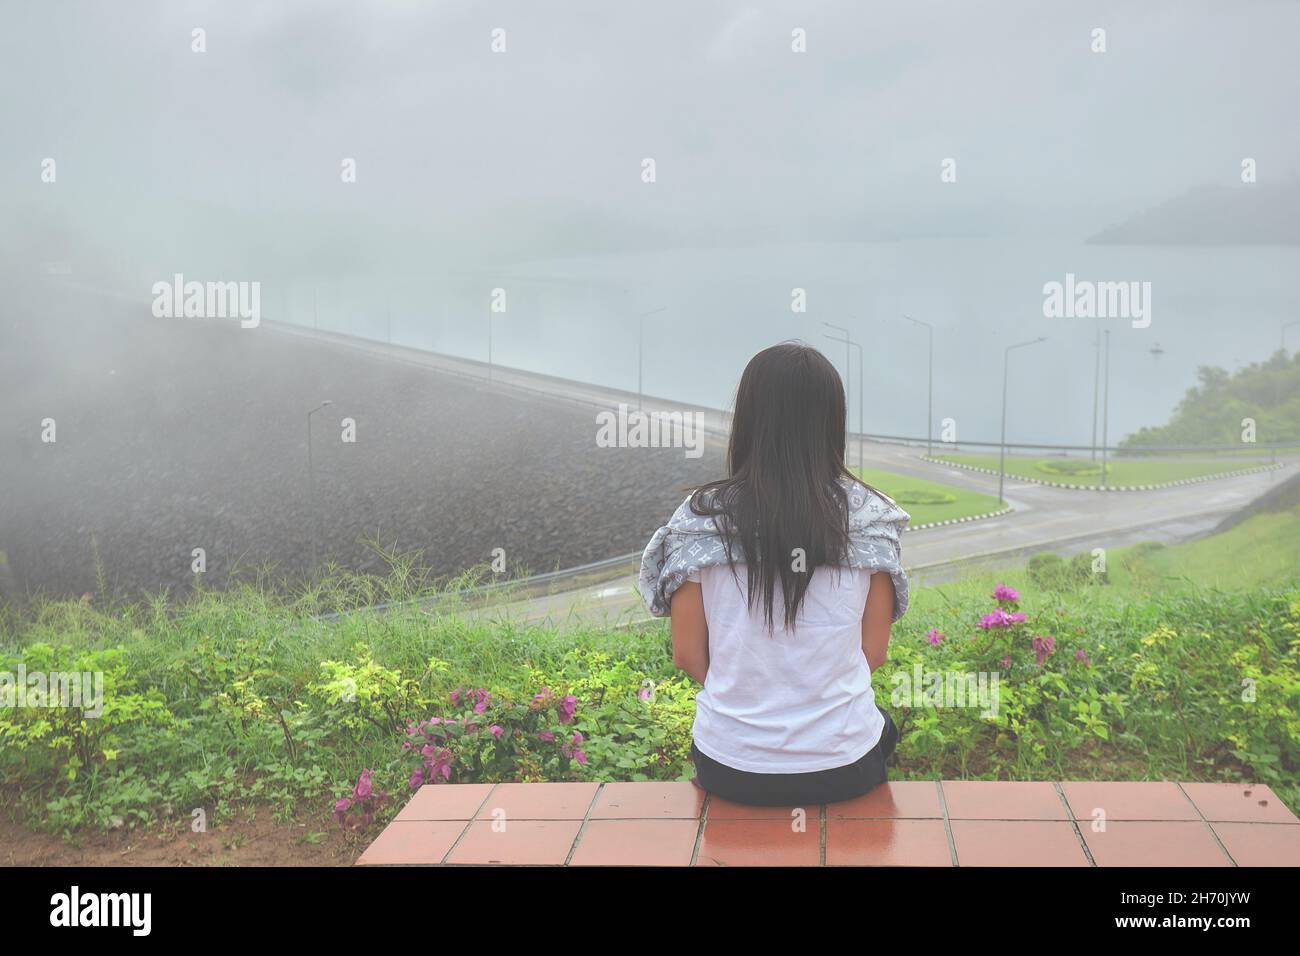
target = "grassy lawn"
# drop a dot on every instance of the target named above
(1263, 550)
(928, 501)
(1119, 471)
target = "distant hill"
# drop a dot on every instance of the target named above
(1246, 214)
(1212, 411)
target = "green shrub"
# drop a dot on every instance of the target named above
(921, 496)
(1069, 467)
(228, 700)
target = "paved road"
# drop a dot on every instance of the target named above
(1044, 518)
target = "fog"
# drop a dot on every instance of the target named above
(128, 156)
(230, 159)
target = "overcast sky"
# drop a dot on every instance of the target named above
(1048, 135)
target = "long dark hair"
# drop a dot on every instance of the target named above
(785, 462)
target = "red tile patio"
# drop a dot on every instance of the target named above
(949, 823)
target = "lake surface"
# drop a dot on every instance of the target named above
(576, 318)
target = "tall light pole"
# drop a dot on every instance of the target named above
(1105, 414)
(311, 484)
(489, 324)
(640, 350)
(1277, 395)
(929, 408)
(1002, 452)
(1096, 386)
(848, 374)
(1285, 326)
(862, 461)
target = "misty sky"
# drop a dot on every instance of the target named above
(452, 140)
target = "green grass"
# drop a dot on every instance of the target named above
(949, 500)
(1120, 471)
(1264, 550)
(228, 700)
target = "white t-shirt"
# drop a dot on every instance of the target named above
(786, 702)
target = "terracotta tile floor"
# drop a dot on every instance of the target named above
(953, 823)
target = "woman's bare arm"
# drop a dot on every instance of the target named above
(877, 618)
(690, 630)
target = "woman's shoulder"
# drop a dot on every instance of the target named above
(868, 506)
(686, 519)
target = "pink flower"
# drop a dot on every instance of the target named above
(1002, 593)
(363, 788)
(542, 699)
(644, 693)
(1082, 655)
(581, 757)
(455, 696)
(1005, 662)
(417, 778)
(568, 707)
(546, 735)
(1042, 647)
(935, 636)
(496, 730)
(570, 747)
(1000, 618)
(341, 810)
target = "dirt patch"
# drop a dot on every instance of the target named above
(252, 838)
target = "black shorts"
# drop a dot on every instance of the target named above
(798, 789)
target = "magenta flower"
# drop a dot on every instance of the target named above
(1042, 647)
(570, 747)
(496, 730)
(935, 636)
(1082, 655)
(364, 787)
(1002, 593)
(455, 696)
(417, 779)
(1005, 662)
(568, 707)
(542, 699)
(581, 757)
(644, 693)
(341, 810)
(546, 735)
(1000, 618)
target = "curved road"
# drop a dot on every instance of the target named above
(1045, 518)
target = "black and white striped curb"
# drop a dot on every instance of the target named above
(1062, 484)
(940, 524)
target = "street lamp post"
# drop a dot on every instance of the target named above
(311, 484)
(1285, 326)
(1105, 415)
(640, 351)
(862, 460)
(1096, 386)
(929, 408)
(1277, 396)
(489, 325)
(848, 382)
(1002, 451)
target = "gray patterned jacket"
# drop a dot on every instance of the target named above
(689, 542)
